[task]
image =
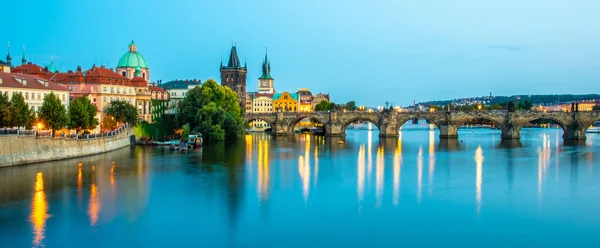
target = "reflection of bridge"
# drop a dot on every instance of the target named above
(574, 125)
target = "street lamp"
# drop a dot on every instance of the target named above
(40, 126)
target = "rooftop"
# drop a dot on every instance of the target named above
(28, 81)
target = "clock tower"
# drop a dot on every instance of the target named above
(265, 81)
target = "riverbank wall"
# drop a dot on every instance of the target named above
(18, 150)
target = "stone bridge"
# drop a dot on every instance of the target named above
(574, 124)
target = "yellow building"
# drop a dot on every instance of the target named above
(285, 102)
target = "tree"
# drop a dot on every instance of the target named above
(20, 114)
(4, 110)
(323, 106)
(511, 106)
(213, 110)
(596, 108)
(185, 132)
(52, 113)
(82, 114)
(351, 106)
(122, 111)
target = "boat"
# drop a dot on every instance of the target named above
(194, 140)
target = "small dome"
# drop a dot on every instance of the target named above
(132, 59)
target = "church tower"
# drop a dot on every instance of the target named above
(234, 76)
(265, 81)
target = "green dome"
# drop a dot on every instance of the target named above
(132, 59)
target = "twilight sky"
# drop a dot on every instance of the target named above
(368, 51)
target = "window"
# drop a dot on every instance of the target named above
(112, 90)
(104, 99)
(122, 73)
(26, 95)
(39, 96)
(104, 89)
(111, 99)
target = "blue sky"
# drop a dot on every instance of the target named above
(368, 51)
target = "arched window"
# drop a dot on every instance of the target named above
(123, 73)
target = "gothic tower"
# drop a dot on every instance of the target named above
(265, 81)
(234, 76)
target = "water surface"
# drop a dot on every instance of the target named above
(308, 191)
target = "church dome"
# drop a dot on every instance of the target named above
(132, 59)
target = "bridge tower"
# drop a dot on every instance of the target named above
(234, 76)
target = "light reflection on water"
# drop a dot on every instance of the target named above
(266, 189)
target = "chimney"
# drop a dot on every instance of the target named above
(102, 66)
(195, 80)
(69, 71)
(78, 68)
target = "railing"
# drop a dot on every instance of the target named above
(40, 134)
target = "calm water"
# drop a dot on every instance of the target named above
(310, 191)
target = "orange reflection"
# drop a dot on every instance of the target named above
(397, 170)
(39, 211)
(248, 139)
(316, 165)
(112, 177)
(263, 170)
(360, 187)
(379, 176)
(94, 207)
(419, 173)
(478, 176)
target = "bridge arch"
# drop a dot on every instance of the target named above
(349, 121)
(316, 118)
(560, 123)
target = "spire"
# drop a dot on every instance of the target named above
(24, 60)
(8, 57)
(266, 68)
(234, 60)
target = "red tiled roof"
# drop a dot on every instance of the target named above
(69, 77)
(32, 69)
(138, 81)
(104, 75)
(12, 80)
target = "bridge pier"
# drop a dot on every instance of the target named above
(574, 133)
(448, 131)
(333, 130)
(510, 131)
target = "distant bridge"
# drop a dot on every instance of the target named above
(574, 124)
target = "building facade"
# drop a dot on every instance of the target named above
(234, 76)
(32, 88)
(160, 102)
(318, 99)
(177, 90)
(305, 98)
(285, 102)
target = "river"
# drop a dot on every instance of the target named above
(310, 191)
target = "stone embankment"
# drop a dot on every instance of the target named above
(18, 149)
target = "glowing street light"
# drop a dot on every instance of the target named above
(40, 126)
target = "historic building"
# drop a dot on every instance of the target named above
(305, 98)
(177, 90)
(143, 98)
(265, 81)
(234, 76)
(318, 99)
(160, 102)
(102, 85)
(33, 88)
(132, 61)
(285, 102)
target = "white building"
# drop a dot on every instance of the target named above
(33, 89)
(177, 90)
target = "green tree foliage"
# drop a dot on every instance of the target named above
(323, 106)
(52, 113)
(185, 133)
(4, 110)
(122, 111)
(511, 106)
(82, 114)
(351, 106)
(596, 108)
(212, 110)
(20, 114)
